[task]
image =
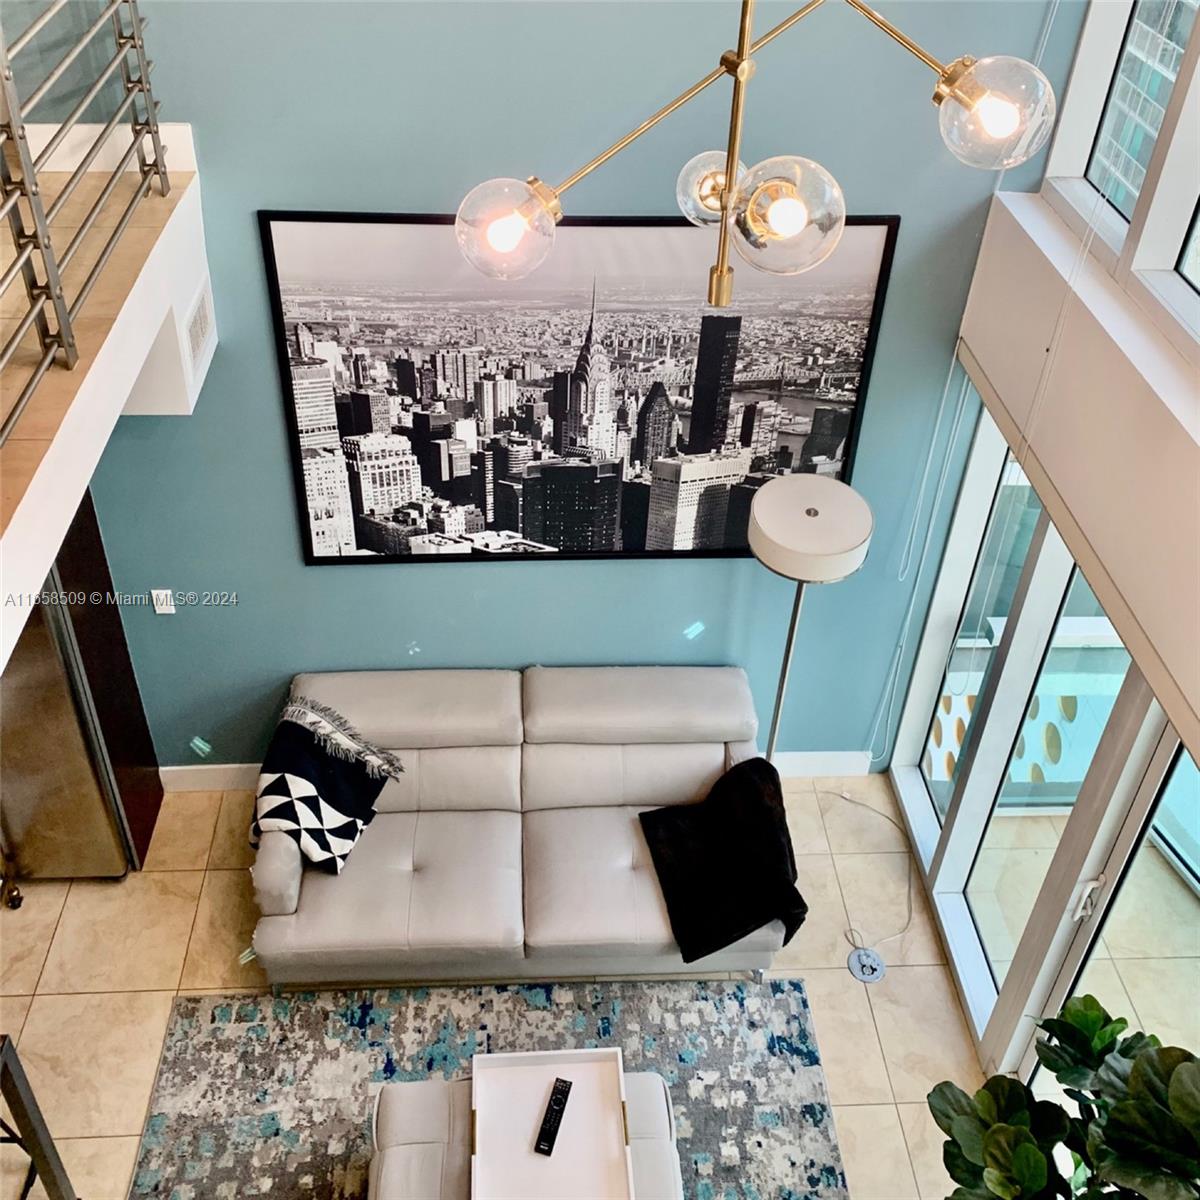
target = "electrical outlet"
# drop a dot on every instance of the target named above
(164, 600)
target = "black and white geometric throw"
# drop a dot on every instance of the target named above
(319, 783)
(290, 804)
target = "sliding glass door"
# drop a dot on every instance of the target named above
(1141, 957)
(1032, 765)
(1072, 700)
(1006, 544)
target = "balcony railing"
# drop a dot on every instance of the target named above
(35, 261)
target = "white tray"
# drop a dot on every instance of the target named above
(591, 1158)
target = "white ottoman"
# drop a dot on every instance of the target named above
(422, 1140)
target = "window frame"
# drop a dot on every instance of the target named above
(1192, 235)
(1128, 759)
(1140, 254)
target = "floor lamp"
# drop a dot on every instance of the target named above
(812, 529)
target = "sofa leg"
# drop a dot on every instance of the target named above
(759, 975)
(276, 990)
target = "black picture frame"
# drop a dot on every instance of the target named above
(267, 217)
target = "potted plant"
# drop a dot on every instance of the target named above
(1136, 1131)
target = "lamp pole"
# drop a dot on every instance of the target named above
(784, 669)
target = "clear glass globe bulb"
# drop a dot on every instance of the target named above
(788, 215)
(999, 113)
(698, 188)
(504, 229)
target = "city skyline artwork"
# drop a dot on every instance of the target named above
(596, 408)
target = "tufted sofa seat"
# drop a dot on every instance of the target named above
(511, 847)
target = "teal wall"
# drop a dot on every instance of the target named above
(404, 106)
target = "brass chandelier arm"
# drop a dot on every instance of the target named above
(720, 278)
(897, 36)
(739, 65)
(784, 25)
(648, 124)
(683, 98)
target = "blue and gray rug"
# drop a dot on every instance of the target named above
(272, 1097)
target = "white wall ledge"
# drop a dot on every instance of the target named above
(1105, 414)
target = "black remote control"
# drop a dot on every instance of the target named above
(553, 1118)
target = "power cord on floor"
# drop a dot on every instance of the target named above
(855, 936)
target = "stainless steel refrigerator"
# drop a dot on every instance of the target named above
(79, 784)
(60, 813)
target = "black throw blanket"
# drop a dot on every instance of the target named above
(726, 865)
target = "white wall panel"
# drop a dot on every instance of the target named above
(1105, 414)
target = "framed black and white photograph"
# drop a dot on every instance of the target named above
(596, 407)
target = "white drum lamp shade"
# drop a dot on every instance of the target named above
(812, 529)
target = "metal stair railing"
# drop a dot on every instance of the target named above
(36, 261)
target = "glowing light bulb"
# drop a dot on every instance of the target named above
(1000, 117)
(996, 113)
(787, 216)
(505, 228)
(504, 234)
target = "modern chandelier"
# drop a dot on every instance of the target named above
(786, 214)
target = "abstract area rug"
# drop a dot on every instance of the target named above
(272, 1097)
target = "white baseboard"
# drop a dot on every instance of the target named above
(176, 138)
(219, 777)
(210, 777)
(799, 763)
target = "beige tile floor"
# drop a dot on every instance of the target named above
(88, 972)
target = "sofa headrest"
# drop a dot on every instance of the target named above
(638, 704)
(400, 710)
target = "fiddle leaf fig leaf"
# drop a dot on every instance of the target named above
(1183, 1097)
(1048, 1124)
(1135, 1043)
(1030, 1169)
(1086, 1014)
(1145, 1132)
(1001, 1142)
(1014, 1166)
(959, 1167)
(1112, 1079)
(1073, 1040)
(1000, 1184)
(946, 1102)
(1145, 1180)
(969, 1133)
(1151, 1074)
(1010, 1100)
(1053, 1057)
(986, 1107)
(1107, 1036)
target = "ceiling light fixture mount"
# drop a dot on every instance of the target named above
(786, 214)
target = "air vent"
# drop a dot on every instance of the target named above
(200, 326)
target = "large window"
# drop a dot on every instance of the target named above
(1072, 700)
(1038, 774)
(1146, 72)
(1124, 168)
(1010, 529)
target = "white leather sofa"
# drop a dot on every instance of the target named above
(422, 1140)
(510, 848)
